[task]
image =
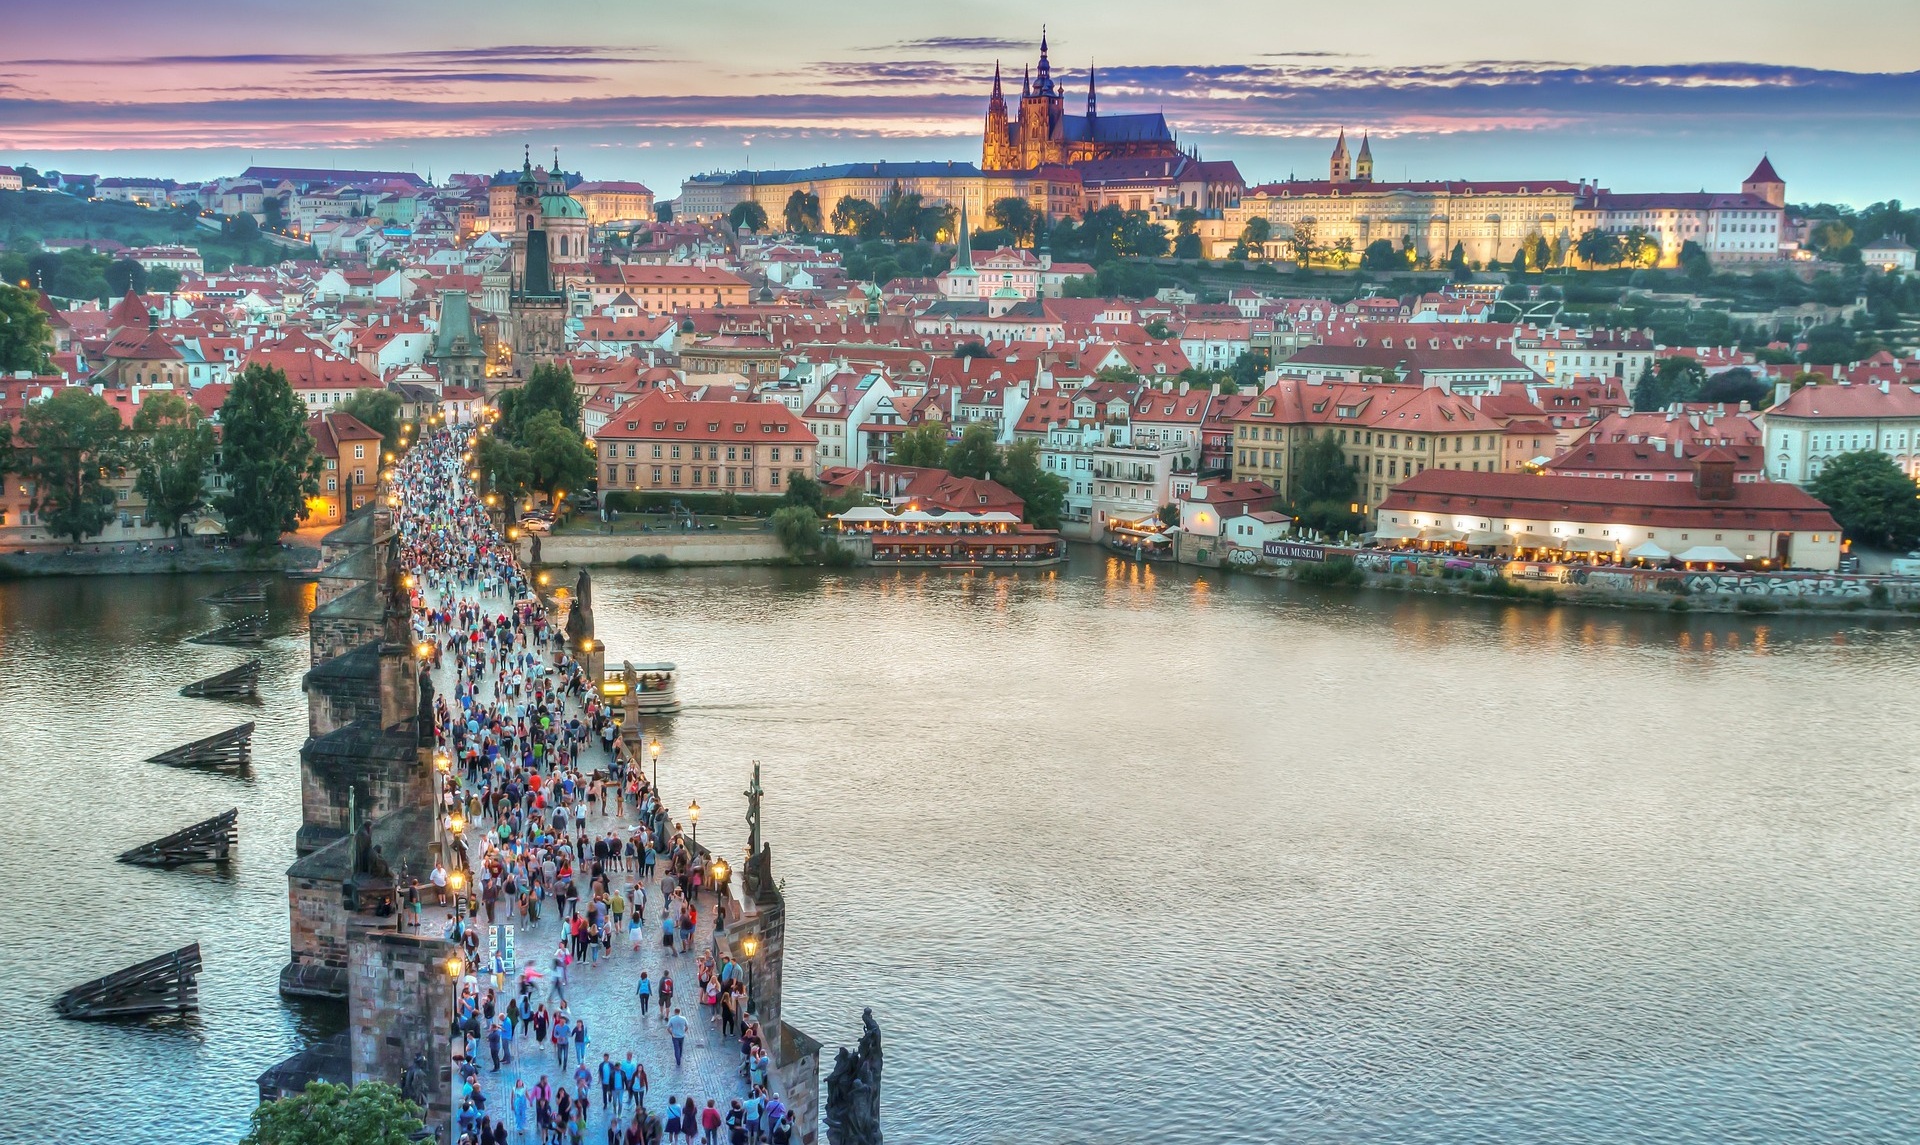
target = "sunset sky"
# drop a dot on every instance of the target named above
(1640, 94)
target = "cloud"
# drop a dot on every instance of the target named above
(958, 44)
(520, 54)
(425, 75)
(929, 98)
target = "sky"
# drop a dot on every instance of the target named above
(1673, 95)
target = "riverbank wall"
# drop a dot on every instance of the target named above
(190, 559)
(652, 548)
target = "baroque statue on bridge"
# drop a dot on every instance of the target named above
(853, 1090)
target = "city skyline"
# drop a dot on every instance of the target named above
(683, 92)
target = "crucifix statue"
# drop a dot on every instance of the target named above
(753, 794)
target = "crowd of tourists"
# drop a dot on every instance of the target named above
(557, 831)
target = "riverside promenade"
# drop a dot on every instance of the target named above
(525, 749)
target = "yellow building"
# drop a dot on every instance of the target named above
(1487, 219)
(1387, 432)
(611, 201)
(1053, 191)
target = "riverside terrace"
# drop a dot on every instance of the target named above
(512, 952)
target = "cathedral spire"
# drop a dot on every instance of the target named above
(1044, 84)
(997, 101)
(1026, 81)
(963, 256)
(1092, 99)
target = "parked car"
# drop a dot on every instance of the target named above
(533, 524)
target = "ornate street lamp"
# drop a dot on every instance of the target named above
(693, 816)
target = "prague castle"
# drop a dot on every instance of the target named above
(1040, 132)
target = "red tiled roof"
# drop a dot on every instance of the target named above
(1757, 504)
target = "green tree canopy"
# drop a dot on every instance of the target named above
(1381, 254)
(1323, 473)
(802, 213)
(1675, 379)
(549, 387)
(1872, 499)
(173, 447)
(124, 275)
(370, 1113)
(68, 447)
(748, 216)
(380, 410)
(925, 445)
(1250, 369)
(853, 216)
(1016, 217)
(1186, 238)
(1599, 248)
(1022, 472)
(26, 338)
(975, 454)
(804, 491)
(266, 455)
(558, 459)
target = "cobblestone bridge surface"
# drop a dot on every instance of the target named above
(603, 993)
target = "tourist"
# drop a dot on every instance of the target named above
(644, 989)
(710, 1124)
(677, 1028)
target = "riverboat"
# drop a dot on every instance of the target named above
(654, 694)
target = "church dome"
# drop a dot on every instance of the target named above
(561, 207)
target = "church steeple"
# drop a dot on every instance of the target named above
(1045, 84)
(963, 257)
(996, 102)
(1026, 81)
(1092, 99)
(1339, 167)
(1363, 163)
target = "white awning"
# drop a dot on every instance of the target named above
(1583, 545)
(1445, 536)
(1648, 551)
(1395, 533)
(1532, 541)
(1485, 538)
(1702, 553)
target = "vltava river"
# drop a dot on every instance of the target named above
(1115, 854)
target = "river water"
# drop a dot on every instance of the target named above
(1115, 854)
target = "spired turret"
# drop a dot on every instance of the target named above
(1339, 166)
(1363, 165)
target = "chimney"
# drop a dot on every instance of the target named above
(1782, 390)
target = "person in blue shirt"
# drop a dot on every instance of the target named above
(677, 1027)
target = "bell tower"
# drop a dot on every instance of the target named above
(1340, 167)
(1363, 164)
(996, 151)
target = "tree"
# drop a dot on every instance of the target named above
(173, 447)
(975, 454)
(1381, 255)
(802, 212)
(1250, 369)
(1324, 487)
(1045, 493)
(1158, 329)
(1639, 247)
(1598, 248)
(163, 280)
(125, 275)
(804, 491)
(663, 212)
(1255, 235)
(1675, 379)
(925, 446)
(371, 1113)
(853, 216)
(1539, 251)
(1016, 217)
(380, 410)
(1872, 499)
(1831, 235)
(1695, 262)
(1186, 239)
(748, 216)
(549, 387)
(798, 528)
(1736, 385)
(972, 349)
(557, 459)
(67, 447)
(1343, 252)
(266, 455)
(1306, 242)
(1457, 263)
(25, 335)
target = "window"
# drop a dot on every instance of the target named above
(676, 455)
(359, 452)
(656, 452)
(675, 474)
(775, 456)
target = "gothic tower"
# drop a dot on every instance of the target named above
(997, 149)
(1339, 167)
(1363, 165)
(1766, 183)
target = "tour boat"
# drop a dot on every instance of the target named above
(654, 694)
